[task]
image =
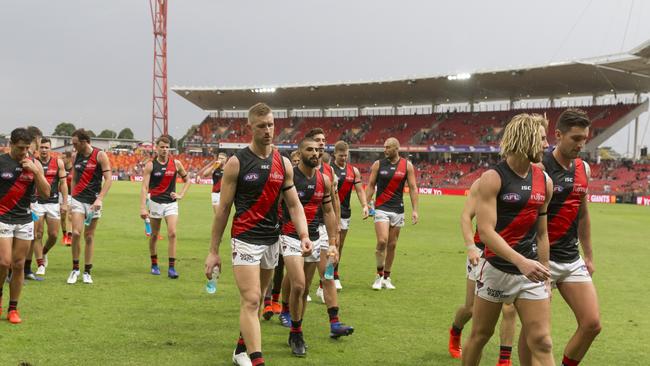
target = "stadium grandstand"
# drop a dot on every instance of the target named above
(450, 125)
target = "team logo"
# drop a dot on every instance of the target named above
(170, 173)
(558, 189)
(495, 293)
(157, 174)
(400, 174)
(7, 175)
(383, 172)
(580, 189)
(301, 194)
(511, 197)
(91, 166)
(539, 197)
(246, 257)
(318, 194)
(277, 177)
(26, 177)
(250, 177)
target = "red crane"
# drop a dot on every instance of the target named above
(159, 119)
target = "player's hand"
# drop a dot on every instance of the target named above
(176, 196)
(211, 261)
(29, 165)
(474, 255)
(306, 247)
(364, 212)
(533, 270)
(333, 253)
(97, 205)
(144, 213)
(414, 217)
(590, 266)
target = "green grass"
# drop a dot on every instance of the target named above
(129, 317)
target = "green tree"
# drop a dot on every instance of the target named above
(91, 133)
(64, 129)
(125, 134)
(108, 134)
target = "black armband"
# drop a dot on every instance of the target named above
(357, 182)
(284, 189)
(324, 202)
(183, 176)
(542, 214)
(107, 170)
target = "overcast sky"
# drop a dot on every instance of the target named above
(90, 62)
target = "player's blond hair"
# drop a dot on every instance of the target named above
(341, 146)
(521, 136)
(258, 110)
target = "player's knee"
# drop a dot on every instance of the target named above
(250, 304)
(509, 312)
(89, 238)
(5, 262)
(298, 287)
(482, 335)
(18, 264)
(591, 327)
(540, 342)
(53, 235)
(171, 235)
(381, 244)
(76, 234)
(392, 245)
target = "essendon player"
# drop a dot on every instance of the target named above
(215, 170)
(66, 221)
(20, 177)
(348, 178)
(49, 210)
(512, 201)
(91, 165)
(34, 148)
(159, 182)
(475, 248)
(327, 289)
(390, 175)
(568, 225)
(254, 179)
(315, 193)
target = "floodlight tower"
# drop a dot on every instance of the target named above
(159, 119)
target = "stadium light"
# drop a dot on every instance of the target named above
(462, 76)
(263, 90)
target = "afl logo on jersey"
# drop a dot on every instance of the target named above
(7, 175)
(511, 197)
(251, 177)
(383, 172)
(157, 174)
(558, 189)
(301, 194)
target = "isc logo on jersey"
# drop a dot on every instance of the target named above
(511, 197)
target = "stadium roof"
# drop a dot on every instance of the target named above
(613, 74)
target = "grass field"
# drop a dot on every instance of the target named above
(128, 317)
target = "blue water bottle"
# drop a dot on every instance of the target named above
(329, 269)
(147, 226)
(34, 216)
(89, 217)
(211, 285)
(371, 212)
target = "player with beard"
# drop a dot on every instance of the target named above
(49, 210)
(91, 167)
(390, 175)
(512, 207)
(315, 192)
(34, 148)
(20, 177)
(254, 179)
(65, 216)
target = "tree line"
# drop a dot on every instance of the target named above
(66, 129)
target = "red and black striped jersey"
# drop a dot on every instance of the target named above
(311, 192)
(162, 181)
(16, 190)
(256, 198)
(569, 188)
(51, 172)
(390, 185)
(87, 177)
(477, 241)
(518, 204)
(346, 178)
(327, 171)
(217, 174)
